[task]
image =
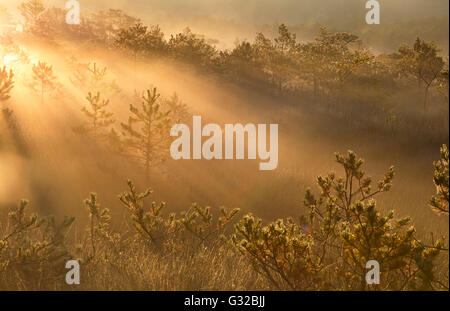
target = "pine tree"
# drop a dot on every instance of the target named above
(349, 231)
(97, 77)
(439, 202)
(92, 78)
(6, 83)
(422, 62)
(100, 234)
(149, 222)
(100, 119)
(179, 110)
(191, 48)
(33, 250)
(31, 10)
(147, 143)
(43, 75)
(138, 39)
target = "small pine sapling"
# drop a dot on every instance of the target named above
(99, 118)
(280, 252)
(33, 252)
(349, 231)
(199, 221)
(439, 202)
(149, 223)
(101, 238)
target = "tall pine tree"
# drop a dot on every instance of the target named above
(43, 76)
(147, 132)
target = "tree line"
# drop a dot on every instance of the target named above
(334, 69)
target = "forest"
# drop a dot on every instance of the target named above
(86, 172)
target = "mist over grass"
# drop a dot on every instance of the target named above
(45, 158)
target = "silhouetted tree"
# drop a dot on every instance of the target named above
(147, 143)
(138, 39)
(31, 11)
(43, 75)
(107, 24)
(179, 111)
(191, 48)
(92, 78)
(423, 63)
(330, 60)
(100, 119)
(6, 83)
(439, 202)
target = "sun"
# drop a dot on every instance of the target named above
(8, 59)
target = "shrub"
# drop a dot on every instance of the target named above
(280, 252)
(200, 223)
(329, 248)
(439, 202)
(349, 231)
(149, 223)
(33, 252)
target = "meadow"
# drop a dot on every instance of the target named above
(86, 171)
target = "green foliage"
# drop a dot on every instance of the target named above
(423, 63)
(330, 247)
(140, 39)
(100, 234)
(404, 261)
(199, 221)
(280, 251)
(334, 70)
(191, 48)
(149, 222)
(439, 202)
(349, 231)
(33, 251)
(326, 250)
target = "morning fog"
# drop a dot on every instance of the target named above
(212, 146)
